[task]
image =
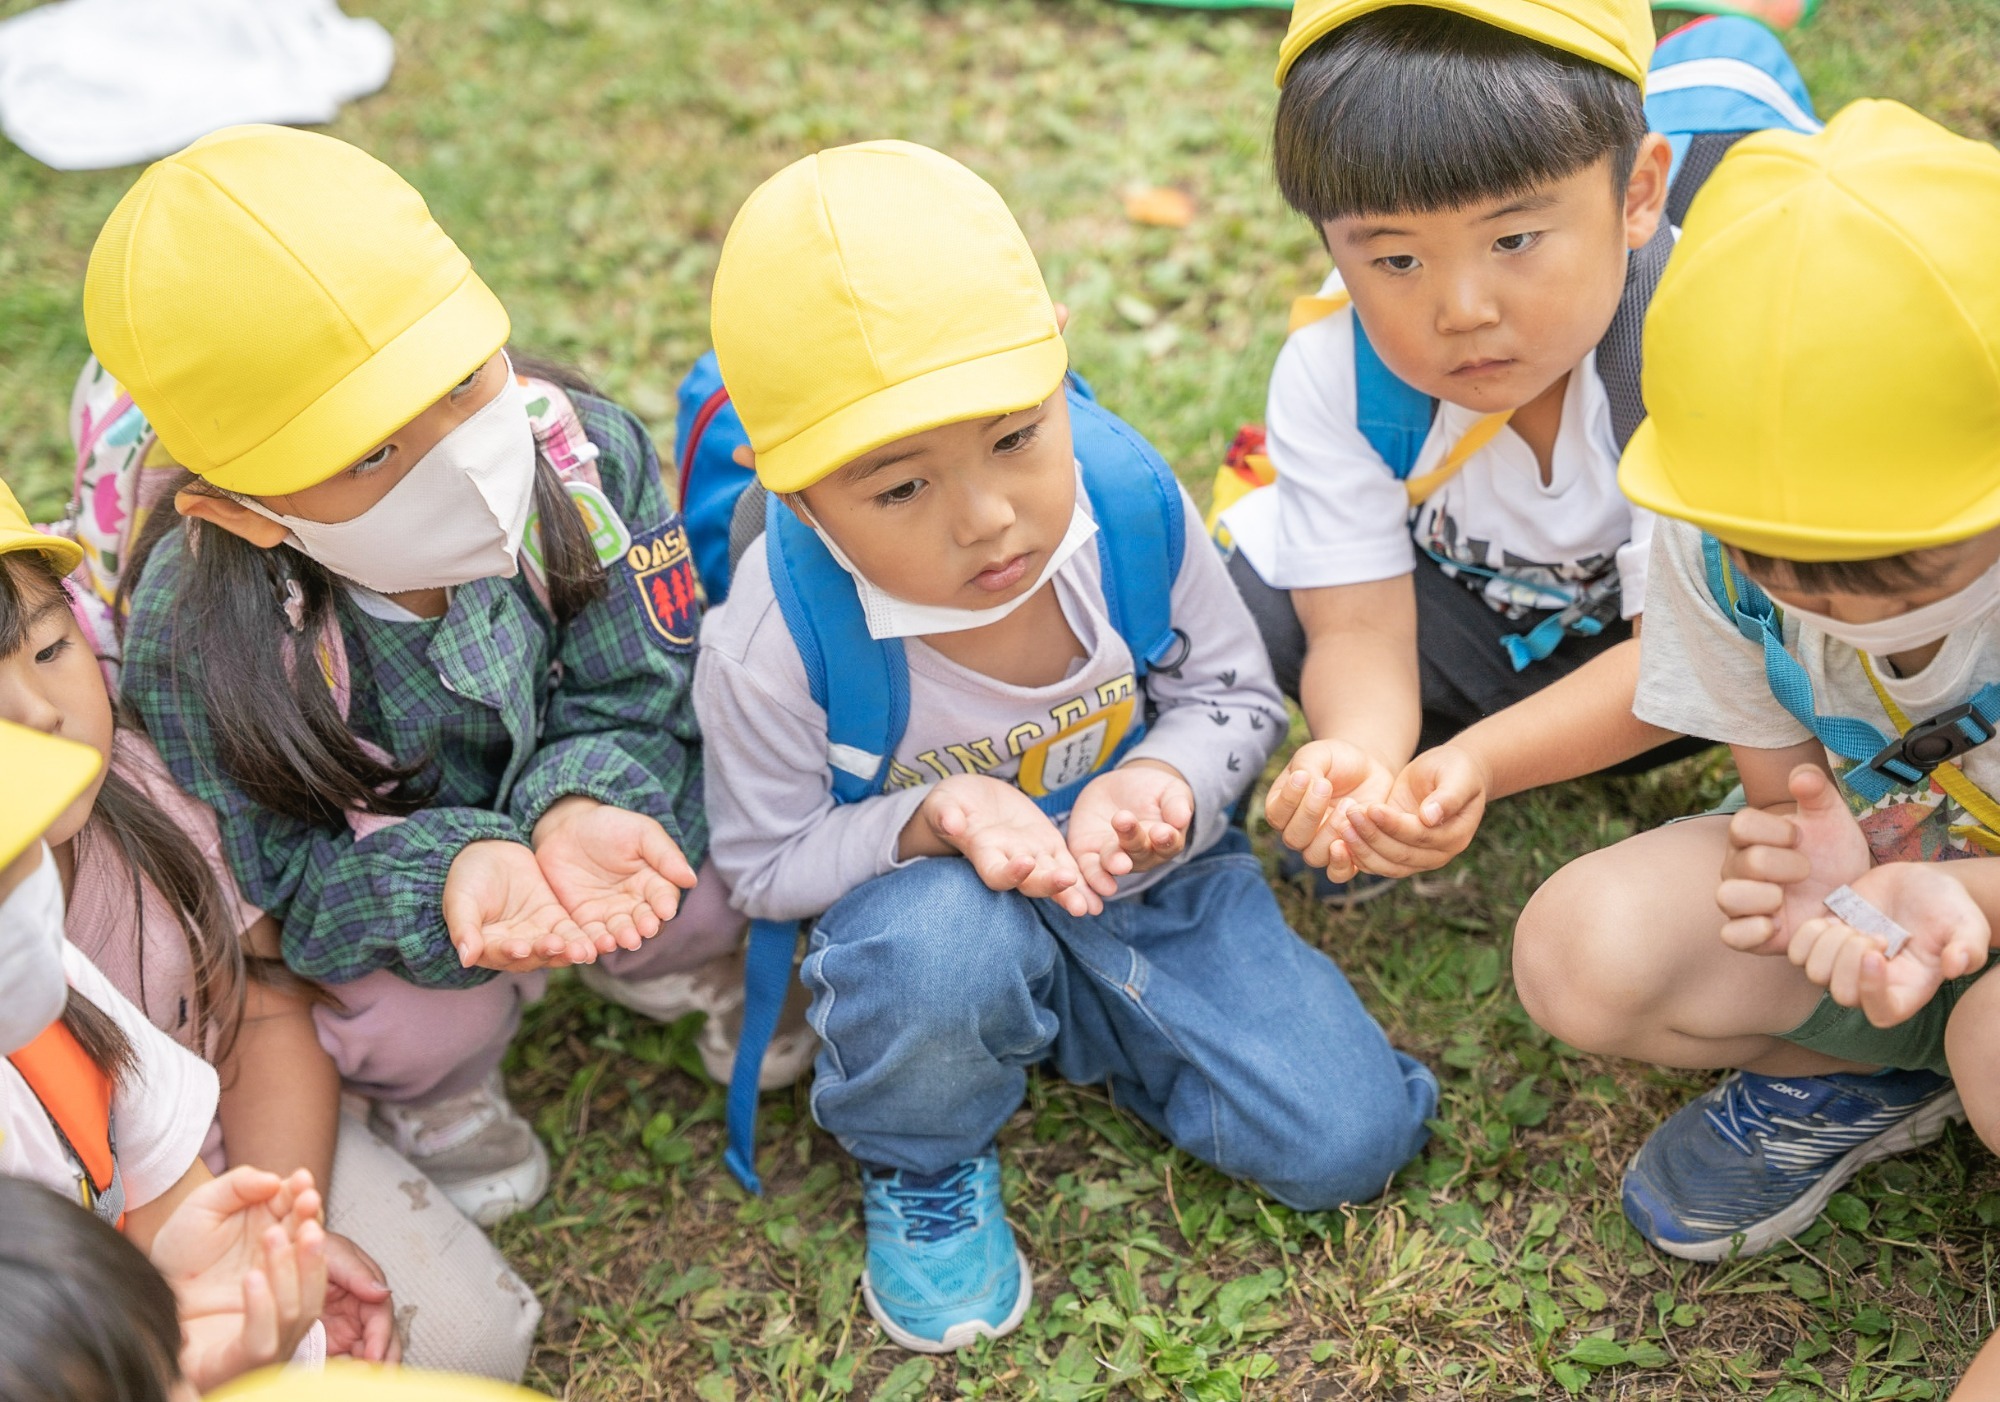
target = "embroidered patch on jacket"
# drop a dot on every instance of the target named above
(661, 567)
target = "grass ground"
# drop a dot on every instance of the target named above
(588, 154)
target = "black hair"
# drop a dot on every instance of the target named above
(87, 1319)
(1414, 109)
(279, 734)
(1887, 574)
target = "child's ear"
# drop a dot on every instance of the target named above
(232, 516)
(795, 502)
(1646, 191)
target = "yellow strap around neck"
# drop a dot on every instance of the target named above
(1961, 790)
(1422, 489)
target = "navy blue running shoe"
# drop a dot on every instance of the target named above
(1753, 1161)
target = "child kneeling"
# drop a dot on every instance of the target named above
(888, 341)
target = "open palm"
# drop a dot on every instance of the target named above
(502, 915)
(616, 872)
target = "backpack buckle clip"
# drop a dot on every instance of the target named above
(1929, 743)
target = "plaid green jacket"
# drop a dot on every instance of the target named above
(514, 712)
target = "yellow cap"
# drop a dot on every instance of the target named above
(871, 292)
(44, 776)
(1822, 358)
(1615, 33)
(277, 303)
(345, 1381)
(17, 534)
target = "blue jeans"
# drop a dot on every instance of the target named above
(1208, 1018)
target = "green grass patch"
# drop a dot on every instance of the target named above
(589, 154)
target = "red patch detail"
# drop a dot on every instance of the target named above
(662, 569)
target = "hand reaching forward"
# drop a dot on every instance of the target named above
(1430, 816)
(502, 915)
(1780, 866)
(1949, 936)
(1323, 780)
(245, 1256)
(1133, 818)
(1010, 842)
(616, 872)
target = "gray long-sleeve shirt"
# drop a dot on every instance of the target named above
(789, 852)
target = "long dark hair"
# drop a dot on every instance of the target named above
(153, 850)
(279, 734)
(88, 1319)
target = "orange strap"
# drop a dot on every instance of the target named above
(77, 1096)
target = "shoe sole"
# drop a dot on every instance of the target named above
(498, 1196)
(959, 1335)
(1913, 1133)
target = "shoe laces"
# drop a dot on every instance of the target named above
(936, 1207)
(1743, 1117)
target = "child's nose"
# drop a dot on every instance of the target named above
(1467, 305)
(25, 705)
(983, 515)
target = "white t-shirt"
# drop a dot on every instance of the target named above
(160, 1115)
(1698, 675)
(1337, 514)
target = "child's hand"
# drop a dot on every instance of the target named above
(1010, 842)
(616, 872)
(360, 1314)
(246, 1257)
(1133, 818)
(1431, 814)
(502, 915)
(1949, 936)
(1323, 779)
(1780, 866)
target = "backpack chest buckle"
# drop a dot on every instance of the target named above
(1929, 743)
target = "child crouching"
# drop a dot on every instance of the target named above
(1077, 698)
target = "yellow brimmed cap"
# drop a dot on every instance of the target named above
(346, 1381)
(1822, 358)
(871, 292)
(1617, 34)
(44, 776)
(278, 302)
(17, 534)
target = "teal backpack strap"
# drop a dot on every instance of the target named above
(864, 687)
(1392, 414)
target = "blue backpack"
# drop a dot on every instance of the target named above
(1710, 84)
(863, 684)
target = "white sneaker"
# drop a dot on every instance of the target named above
(481, 1155)
(715, 989)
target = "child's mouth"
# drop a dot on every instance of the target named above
(1004, 575)
(1477, 369)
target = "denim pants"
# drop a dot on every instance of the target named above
(1202, 1011)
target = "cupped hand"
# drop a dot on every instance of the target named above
(616, 872)
(360, 1313)
(502, 915)
(1324, 779)
(1011, 843)
(1780, 866)
(1432, 811)
(1949, 936)
(1133, 818)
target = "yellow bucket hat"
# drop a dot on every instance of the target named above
(44, 776)
(17, 534)
(871, 292)
(277, 303)
(345, 1381)
(1822, 358)
(1615, 33)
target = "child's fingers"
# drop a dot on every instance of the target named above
(1758, 827)
(1288, 790)
(1834, 939)
(1306, 823)
(258, 1343)
(664, 856)
(1360, 832)
(1843, 970)
(1177, 806)
(1783, 866)
(1737, 897)
(281, 1269)
(1750, 934)
(313, 1277)
(1885, 1004)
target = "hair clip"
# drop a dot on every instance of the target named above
(295, 606)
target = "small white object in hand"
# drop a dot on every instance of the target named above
(1855, 909)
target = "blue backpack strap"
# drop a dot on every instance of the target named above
(1393, 415)
(1141, 530)
(707, 432)
(864, 687)
(1713, 81)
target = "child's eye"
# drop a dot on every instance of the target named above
(374, 461)
(53, 650)
(465, 384)
(1017, 440)
(900, 493)
(1397, 262)
(1516, 243)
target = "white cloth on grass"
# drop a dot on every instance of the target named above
(87, 84)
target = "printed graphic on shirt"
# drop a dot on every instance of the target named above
(1920, 825)
(1521, 585)
(1071, 741)
(661, 567)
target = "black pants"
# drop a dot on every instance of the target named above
(1464, 672)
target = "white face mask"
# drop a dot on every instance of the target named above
(1905, 632)
(457, 516)
(890, 617)
(33, 987)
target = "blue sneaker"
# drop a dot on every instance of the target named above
(1753, 1161)
(943, 1270)
(1334, 895)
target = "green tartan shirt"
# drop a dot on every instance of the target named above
(514, 711)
